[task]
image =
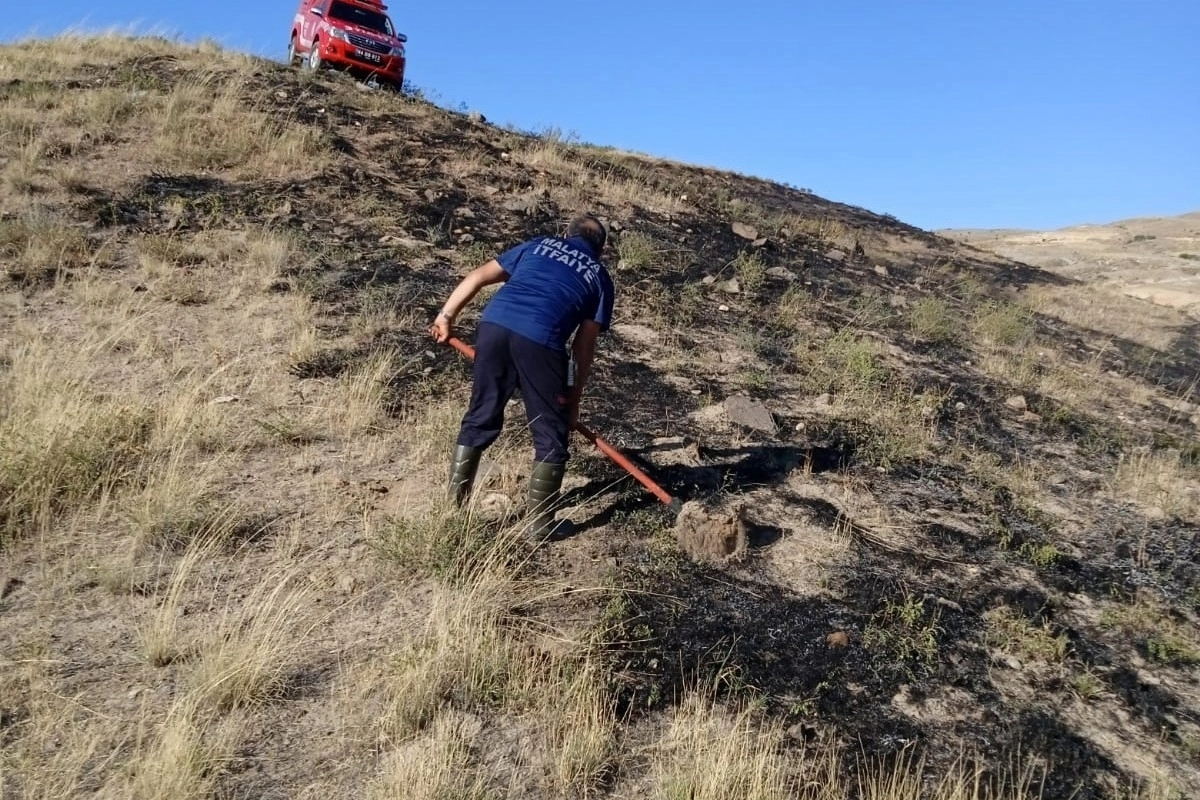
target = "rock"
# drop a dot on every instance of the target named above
(824, 400)
(731, 286)
(491, 191)
(1031, 417)
(708, 280)
(225, 398)
(782, 273)
(465, 213)
(881, 270)
(722, 307)
(838, 639)
(748, 232)
(761, 242)
(1017, 402)
(836, 255)
(749, 413)
(960, 406)
(431, 195)
(466, 238)
(475, 116)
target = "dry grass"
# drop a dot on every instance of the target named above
(246, 660)
(355, 403)
(38, 247)
(205, 124)
(577, 725)
(1159, 479)
(1015, 634)
(64, 441)
(708, 753)
(181, 758)
(434, 767)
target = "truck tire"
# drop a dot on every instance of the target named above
(294, 58)
(314, 56)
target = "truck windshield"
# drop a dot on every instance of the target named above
(374, 20)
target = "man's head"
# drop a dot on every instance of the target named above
(590, 229)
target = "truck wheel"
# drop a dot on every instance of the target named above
(314, 56)
(294, 58)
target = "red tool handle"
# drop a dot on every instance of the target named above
(603, 446)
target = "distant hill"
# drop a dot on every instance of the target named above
(1153, 258)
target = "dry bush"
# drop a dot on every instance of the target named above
(206, 124)
(934, 319)
(246, 660)
(434, 767)
(635, 251)
(1165, 637)
(711, 754)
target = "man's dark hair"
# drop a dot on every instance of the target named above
(590, 229)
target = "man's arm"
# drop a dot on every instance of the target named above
(583, 350)
(468, 287)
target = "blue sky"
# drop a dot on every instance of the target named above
(944, 113)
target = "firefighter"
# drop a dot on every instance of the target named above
(556, 290)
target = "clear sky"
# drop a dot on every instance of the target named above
(944, 113)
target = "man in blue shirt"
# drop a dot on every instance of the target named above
(554, 289)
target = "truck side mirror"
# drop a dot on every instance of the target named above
(317, 12)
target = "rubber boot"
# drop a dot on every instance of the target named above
(545, 483)
(463, 467)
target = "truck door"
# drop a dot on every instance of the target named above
(313, 15)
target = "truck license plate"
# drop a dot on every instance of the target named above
(367, 55)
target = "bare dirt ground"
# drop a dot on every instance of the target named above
(966, 561)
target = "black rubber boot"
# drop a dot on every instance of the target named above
(545, 483)
(463, 467)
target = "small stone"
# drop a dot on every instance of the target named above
(1016, 402)
(881, 270)
(748, 232)
(225, 398)
(960, 406)
(708, 280)
(782, 273)
(722, 307)
(431, 195)
(731, 286)
(1029, 416)
(466, 238)
(824, 399)
(761, 242)
(838, 639)
(465, 213)
(836, 255)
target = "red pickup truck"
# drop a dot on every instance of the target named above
(356, 35)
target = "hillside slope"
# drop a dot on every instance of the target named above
(968, 558)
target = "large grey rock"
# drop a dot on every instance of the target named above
(749, 413)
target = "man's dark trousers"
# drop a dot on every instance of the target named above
(503, 361)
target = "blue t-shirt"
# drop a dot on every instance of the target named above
(553, 285)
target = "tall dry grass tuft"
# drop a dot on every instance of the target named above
(182, 759)
(708, 753)
(246, 660)
(465, 655)
(355, 402)
(53, 745)
(435, 767)
(1162, 479)
(577, 725)
(64, 441)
